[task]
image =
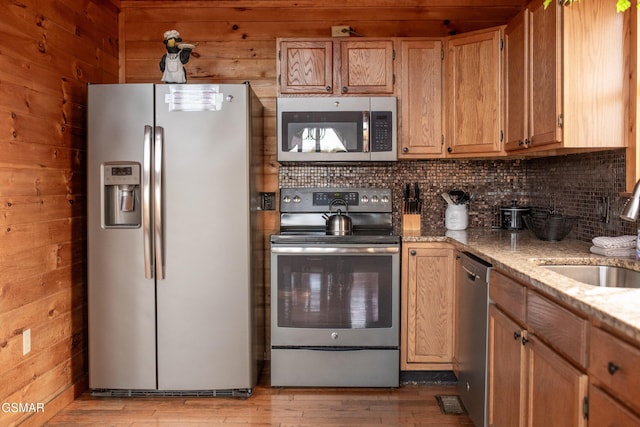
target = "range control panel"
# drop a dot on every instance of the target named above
(319, 199)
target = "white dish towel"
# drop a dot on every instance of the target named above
(614, 252)
(619, 242)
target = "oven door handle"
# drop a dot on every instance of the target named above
(324, 250)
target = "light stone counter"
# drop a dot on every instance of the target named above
(520, 253)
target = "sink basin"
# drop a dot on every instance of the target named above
(599, 275)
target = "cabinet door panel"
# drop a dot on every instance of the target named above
(474, 91)
(516, 75)
(428, 290)
(421, 125)
(506, 371)
(306, 66)
(545, 90)
(556, 390)
(604, 411)
(366, 66)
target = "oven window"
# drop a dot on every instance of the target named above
(322, 132)
(334, 291)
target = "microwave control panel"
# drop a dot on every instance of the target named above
(381, 131)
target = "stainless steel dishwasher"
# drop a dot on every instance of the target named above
(473, 300)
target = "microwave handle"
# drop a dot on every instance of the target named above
(365, 132)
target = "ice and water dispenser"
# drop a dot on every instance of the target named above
(121, 195)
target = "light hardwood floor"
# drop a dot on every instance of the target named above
(408, 405)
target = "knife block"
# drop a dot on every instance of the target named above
(410, 224)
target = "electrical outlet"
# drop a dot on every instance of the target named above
(340, 31)
(26, 341)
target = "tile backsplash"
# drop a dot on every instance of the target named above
(584, 185)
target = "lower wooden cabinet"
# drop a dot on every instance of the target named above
(427, 306)
(507, 368)
(556, 390)
(605, 411)
(530, 383)
(615, 378)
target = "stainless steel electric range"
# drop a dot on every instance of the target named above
(335, 298)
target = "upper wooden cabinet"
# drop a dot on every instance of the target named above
(420, 99)
(474, 93)
(567, 77)
(305, 66)
(336, 66)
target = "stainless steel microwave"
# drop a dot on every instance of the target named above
(337, 129)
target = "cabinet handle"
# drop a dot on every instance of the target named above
(525, 340)
(412, 252)
(405, 149)
(449, 150)
(520, 142)
(612, 368)
(516, 335)
(345, 89)
(328, 88)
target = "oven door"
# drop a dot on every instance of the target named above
(344, 295)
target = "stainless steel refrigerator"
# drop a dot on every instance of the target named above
(174, 238)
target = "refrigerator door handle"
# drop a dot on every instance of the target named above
(157, 202)
(146, 202)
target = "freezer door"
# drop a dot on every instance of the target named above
(204, 301)
(122, 335)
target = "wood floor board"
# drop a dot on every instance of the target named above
(406, 406)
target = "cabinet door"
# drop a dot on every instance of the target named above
(545, 88)
(306, 66)
(516, 75)
(604, 411)
(507, 367)
(474, 91)
(366, 66)
(556, 389)
(421, 93)
(427, 307)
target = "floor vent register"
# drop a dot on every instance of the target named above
(451, 405)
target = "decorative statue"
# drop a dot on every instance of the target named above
(172, 62)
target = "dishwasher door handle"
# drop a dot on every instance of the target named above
(470, 274)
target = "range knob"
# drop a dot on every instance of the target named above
(385, 199)
(375, 199)
(296, 199)
(365, 199)
(334, 335)
(286, 199)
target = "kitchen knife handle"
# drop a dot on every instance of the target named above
(157, 202)
(146, 202)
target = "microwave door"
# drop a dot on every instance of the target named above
(318, 139)
(322, 136)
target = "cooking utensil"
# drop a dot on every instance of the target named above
(338, 224)
(456, 196)
(448, 198)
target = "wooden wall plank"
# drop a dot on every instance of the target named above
(50, 51)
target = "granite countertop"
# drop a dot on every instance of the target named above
(520, 254)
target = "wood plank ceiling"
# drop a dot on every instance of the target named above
(430, 18)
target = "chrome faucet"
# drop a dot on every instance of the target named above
(632, 206)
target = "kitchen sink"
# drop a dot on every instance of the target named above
(599, 275)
